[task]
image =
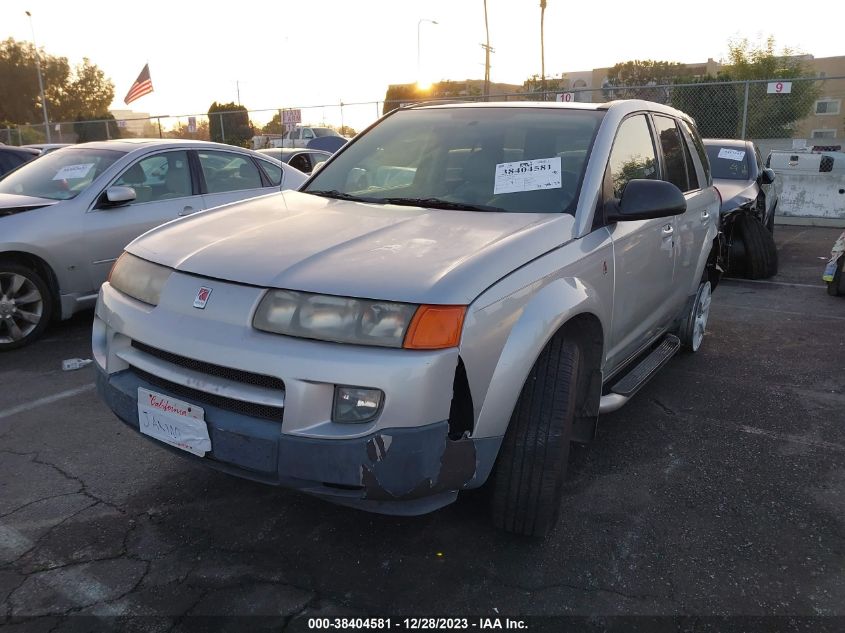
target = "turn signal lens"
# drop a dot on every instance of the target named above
(435, 327)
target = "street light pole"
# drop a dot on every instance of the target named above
(542, 48)
(40, 80)
(419, 24)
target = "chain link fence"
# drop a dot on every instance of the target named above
(774, 113)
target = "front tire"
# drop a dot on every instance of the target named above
(25, 306)
(761, 257)
(531, 468)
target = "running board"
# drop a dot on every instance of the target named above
(623, 389)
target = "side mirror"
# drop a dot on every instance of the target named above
(767, 177)
(646, 199)
(118, 195)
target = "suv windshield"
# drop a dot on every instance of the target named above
(728, 163)
(524, 160)
(59, 175)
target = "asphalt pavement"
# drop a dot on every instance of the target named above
(718, 491)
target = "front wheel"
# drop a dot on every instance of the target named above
(25, 306)
(528, 481)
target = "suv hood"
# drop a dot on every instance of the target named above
(304, 242)
(11, 203)
(736, 193)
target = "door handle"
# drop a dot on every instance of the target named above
(668, 230)
(186, 211)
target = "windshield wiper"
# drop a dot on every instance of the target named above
(437, 203)
(339, 195)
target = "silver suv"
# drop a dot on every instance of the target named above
(452, 298)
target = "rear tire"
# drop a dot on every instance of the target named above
(25, 306)
(761, 257)
(694, 326)
(528, 481)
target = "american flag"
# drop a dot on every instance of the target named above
(143, 86)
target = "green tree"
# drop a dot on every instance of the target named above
(397, 94)
(274, 126)
(714, 104)
(640, 79)
(771, 115)
(180, 130)
(93, 130)
(229, 123)
(83, 91)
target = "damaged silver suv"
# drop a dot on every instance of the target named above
(451, 300)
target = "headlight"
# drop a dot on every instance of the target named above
(338, 319)
(138, 278)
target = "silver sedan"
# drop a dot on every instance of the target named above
(65, 217)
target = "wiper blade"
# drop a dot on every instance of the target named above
(437, 203)
(339, 195)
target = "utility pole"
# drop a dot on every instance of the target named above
(487, 51)
(542, 48)
(40, 81)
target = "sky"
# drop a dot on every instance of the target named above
(283, 54)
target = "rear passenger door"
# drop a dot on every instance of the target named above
(677, 167)
(643, 249)
(230, 176)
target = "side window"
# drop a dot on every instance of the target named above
(692, 174)
(158, 177)
(699, 149)
(274, 172)
(674, 168)
(225, 171)
(301, 162)
(632, 155)
(307, 133)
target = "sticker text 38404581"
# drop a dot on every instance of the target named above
(528, 175)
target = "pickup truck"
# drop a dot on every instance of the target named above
(388, 342)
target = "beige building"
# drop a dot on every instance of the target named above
(136, 123)
(827, 122)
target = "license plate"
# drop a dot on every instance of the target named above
(173, 421)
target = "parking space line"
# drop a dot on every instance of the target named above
(773, 283)
(806, 315)
(7, 413)
(795, 439)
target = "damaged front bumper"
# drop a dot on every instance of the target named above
(400, 471)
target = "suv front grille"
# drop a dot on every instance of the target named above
(251, 409)
(237, 375)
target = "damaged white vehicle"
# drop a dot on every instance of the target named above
(452, 298)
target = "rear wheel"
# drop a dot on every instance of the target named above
(25, 305)
(693, 328)
(528, 481)
(761, 257)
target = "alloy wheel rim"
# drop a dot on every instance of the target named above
(702, 312)
(21, 307)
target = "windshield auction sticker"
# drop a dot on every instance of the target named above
(731, 154)
(71, 172)
(528, 175)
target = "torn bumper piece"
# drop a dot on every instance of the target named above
(401, 471)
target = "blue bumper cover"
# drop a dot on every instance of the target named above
(403, 471)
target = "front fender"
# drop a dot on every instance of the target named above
(538, 320)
